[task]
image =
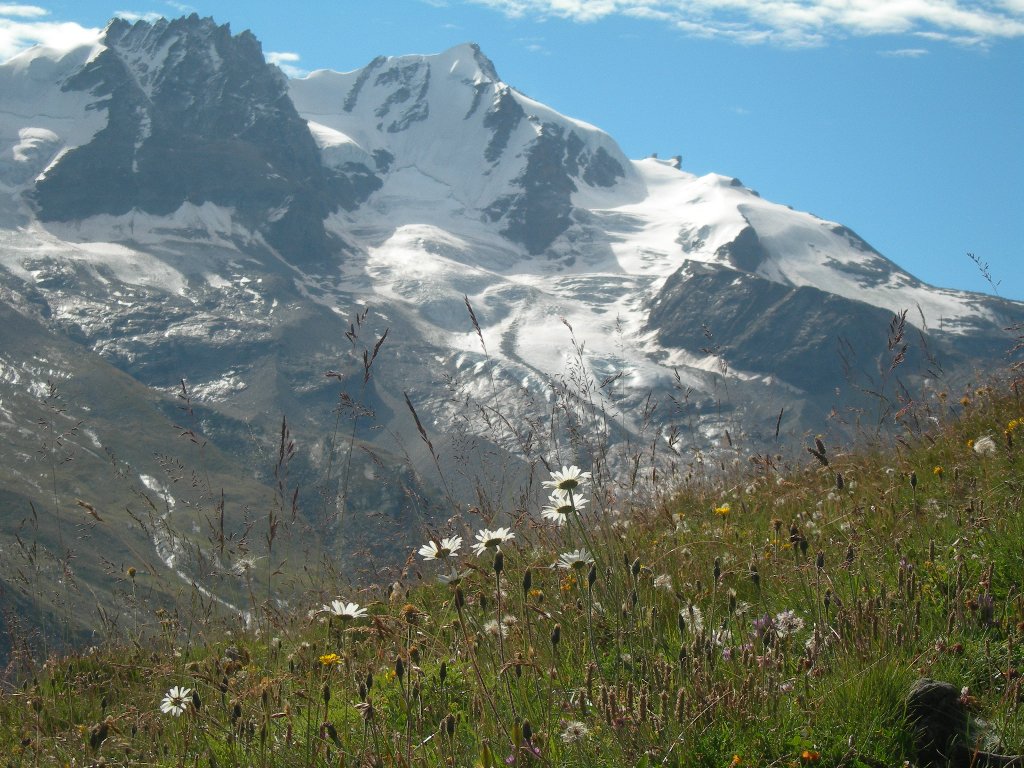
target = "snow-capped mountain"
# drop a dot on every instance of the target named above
(175, 207)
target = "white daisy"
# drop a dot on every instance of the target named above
(559, 506)
(439, 550)
(574, 560)
(344, 611)
(568, 479)
(491, 540)
(176, 701)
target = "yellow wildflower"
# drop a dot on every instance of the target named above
(329, 659)
(938, 471)
(725, 509)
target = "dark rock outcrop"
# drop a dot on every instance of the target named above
(196, 115)
(945, 734)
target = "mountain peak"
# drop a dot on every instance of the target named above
(468, 59)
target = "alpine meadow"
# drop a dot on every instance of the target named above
(393, 418)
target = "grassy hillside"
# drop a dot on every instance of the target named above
(775, 613)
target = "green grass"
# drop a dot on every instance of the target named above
(775, 617)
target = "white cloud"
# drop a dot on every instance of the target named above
(795, 22)
(24, 11)
(133, 16)
(906, 53)
(17, 34)
(286, 61)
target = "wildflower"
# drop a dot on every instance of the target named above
(439, 550)
(575, 731)
(938, 472)
(491, 540)
(492, 627)
(574, 560)
(810, 756)
(723, 510)
(366, 709)
(344, 611)
(411, 614)
(695, 618)
(559, 506)
(243, 566)
(330, 659)
(452, 579)
(787, 623)
(568, 479)
(176, 701)
(985, 446)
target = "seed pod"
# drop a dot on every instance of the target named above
(556, 634)
(527, 581)
(332, 732)
(399, 668)
(592, 575)
(443, 672)
(499, 561)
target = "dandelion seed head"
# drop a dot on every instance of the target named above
(574, 731)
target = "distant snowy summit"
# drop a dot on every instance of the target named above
(418, 181)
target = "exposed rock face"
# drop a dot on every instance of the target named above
(529, 159)
(741, 316)
(196, 115)
(945, 735)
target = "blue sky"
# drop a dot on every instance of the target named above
(902, 120)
